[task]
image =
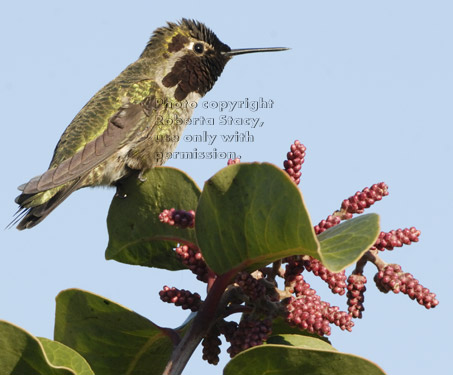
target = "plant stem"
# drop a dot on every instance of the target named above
(201, 324)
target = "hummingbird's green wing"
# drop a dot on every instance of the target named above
(92, 120)
(123, 127)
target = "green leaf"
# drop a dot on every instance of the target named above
(281, 327)
(309, 356)
(301, 341)
(61, 355)
(344, 244)
(250, 215)
(113, 339)
(21, 353)
(136, 236)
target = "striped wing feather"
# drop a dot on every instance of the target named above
(122, 127)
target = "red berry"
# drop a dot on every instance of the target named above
(295, 159)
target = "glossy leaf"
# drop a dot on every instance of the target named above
(344, 244)
(61, 355)
(21, 353)
(113, 339)
(299, 355)
(301, 341)
(136, 236)
(281, 327)
(250, 215)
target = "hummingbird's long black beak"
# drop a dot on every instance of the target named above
(242, 51)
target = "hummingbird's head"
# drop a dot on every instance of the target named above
(191, 57)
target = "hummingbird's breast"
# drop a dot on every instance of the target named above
(157, 131)
(165, 131)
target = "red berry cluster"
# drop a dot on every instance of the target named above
(180, 218)
(356, 297)
(392, 278)
(228, 329)
(335, 280)
(250, 286)
(181, 297)
(354, 205)
(330, 222)
(396, 238)
(192, 258)
(295, 159)
(233, 161)
(294, 268)
(211, 346)
(305, 313)
(248, 334)
(340, 318)
(364, 199)
(308, 312)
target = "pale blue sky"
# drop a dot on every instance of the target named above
(366, 87)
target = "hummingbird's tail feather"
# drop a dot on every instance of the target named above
(30, 215)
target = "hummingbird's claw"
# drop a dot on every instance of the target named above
(119, 193)
(141, 178)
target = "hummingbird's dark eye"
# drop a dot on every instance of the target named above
(198, 48)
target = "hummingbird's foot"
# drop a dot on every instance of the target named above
(141, 178)
(119, 193)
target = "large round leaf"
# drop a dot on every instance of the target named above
(113, 339)
(301, 341)
(344, 244)
(250, 215)
(299, 355)
(21, 353)
(281, 327)
(136, 236)
(62, 355)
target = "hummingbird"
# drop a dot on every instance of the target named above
(116, 133)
